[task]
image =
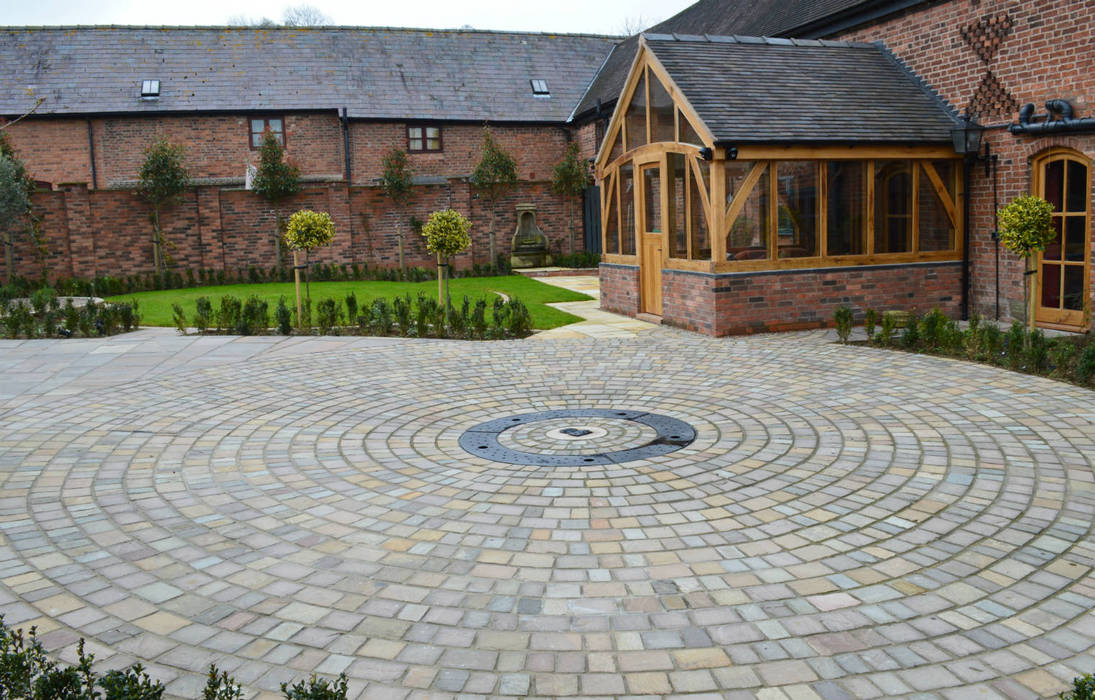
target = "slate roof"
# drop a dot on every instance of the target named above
(721, 18)
(750, 90)
(377, 73)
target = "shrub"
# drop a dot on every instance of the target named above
(1015, 345)
(911, 337)
(179, 318)
(220, 686)
(327, 313)
(1085, 366)
(478, 321)
(130, 684)
(254, 317)
(306, 315)
(1037, 354)
(931, 329)
(1083, 688)
(460, 319)
(1061, 355)
(228, 315)
(842, 317)
(870, 320)
(401, 310)
(72, 316)
(316, 689)
(203, 317)
(130, 315)
(889, 327)
(991, 342)
(518, 320)
(380, 317)
(351, 307)
(424, 312)
(284, 317)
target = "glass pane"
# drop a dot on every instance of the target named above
(1075, 238)
(847, 204)
(652, 199)
(617, 147)
(416, 145)
(1074, 288)
(256, 140)
(661, 112)
(1053, 250)
(688, 134)
(796, 223)
(736, 172)
(936, 230)
(678, 234)
(701, 237)
(627, 209)
(433, 132)
(1077, 186)
(275, 125)
(433, 144)
(947, 171)
(612, 223)
(748, 237)
(1051, 286)
(1054, 177)
(893, 207)
(636, 117)
(258, 126)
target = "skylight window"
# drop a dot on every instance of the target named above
(150, 89)
(540, 88)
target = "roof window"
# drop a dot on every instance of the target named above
(540, 88)
(150, 89)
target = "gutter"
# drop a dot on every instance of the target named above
(1049, 125)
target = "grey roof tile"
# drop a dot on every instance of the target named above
(376, 73)
(750, 93)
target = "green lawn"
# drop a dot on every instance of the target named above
(155, 307)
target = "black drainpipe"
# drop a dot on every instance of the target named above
(91, 154)
(1048, 125)
(346, 143)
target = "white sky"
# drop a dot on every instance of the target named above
(586, 16)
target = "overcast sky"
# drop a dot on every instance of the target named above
(590, 16)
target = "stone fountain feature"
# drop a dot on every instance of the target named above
(530, 244)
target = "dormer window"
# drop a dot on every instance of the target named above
(540, 88)
(150, 89)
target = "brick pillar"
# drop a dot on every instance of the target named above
(210, 229)
(80, 231)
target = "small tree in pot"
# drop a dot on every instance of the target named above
(446, 234)
(1026, 228)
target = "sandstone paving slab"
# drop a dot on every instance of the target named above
(848, 522)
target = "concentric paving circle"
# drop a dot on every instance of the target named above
(847, 523)
(577, 437)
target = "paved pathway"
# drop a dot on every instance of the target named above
(848, 523)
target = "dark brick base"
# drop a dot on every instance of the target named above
(620, 288)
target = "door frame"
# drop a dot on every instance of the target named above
(650, 303)
(1062, 319)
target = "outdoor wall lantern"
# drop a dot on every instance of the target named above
(966, 136)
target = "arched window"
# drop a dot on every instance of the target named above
(1063, 178)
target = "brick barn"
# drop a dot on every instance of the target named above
(743, 183)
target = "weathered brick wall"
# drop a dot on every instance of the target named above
(752, 302)
(620, 288)
(991, 57)
(55, 150)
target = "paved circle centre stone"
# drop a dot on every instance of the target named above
(577, 437)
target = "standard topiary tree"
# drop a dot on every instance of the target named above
(1026, 228)
(161, 183)
(306, 231)
(16, 211)
(396, 181)
(569, 180)
(494, 178)
(275, 179)
(446, 234)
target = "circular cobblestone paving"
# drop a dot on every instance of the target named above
(847, 523)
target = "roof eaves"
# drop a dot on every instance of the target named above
(849, 18)
(282, 28)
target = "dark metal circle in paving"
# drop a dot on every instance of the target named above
(482, 440)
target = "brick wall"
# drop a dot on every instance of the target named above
(620, 288)
(991, 57)
(752, 302)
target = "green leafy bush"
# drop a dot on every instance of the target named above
(1085, 366)
(870, 320)
(842, 317)
(178, 317)
(401, 310)
(220, 686)
(203, 317)
(308, 230)
(1083, 688)
(380, 317)
(1026, 225)
(351, 307)
(327, 315)
(889, 327)
(932, 327)
(316, 689)
(284, 317)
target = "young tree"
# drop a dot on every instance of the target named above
(396, 181)
(446, 234)
(161, 183)
(494, 178)
(306, 231)
(16, 187)
(569, 180)
(275, 179)
(1026, 228)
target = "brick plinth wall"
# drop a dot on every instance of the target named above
(620, 288)
(778, 300)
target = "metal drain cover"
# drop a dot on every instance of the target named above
(669, 435)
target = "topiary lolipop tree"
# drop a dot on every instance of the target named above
(1026, 228)
(494, 177)
(569, 179)
(306, 231)
(161, 183)
(275, 179)
(446, 234)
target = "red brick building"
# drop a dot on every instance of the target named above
(344, 97)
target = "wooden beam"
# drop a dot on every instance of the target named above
(740, 198)
(680, 99)
(941, 191)
(822, 152)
